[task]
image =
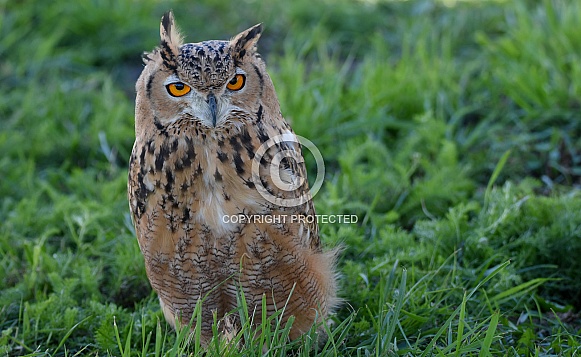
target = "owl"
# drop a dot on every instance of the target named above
(213, 218)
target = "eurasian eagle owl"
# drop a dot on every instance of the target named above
(209, 222)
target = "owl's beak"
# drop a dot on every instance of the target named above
(213, 107)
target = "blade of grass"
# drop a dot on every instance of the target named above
(494, 177)
(488, 339)
(519, 290)
(461, 325)
(159, 342)
(144, 340)
(127, 350)
(69, 332)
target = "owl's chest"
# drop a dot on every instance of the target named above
(188, 183)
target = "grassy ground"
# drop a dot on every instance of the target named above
(452, 130)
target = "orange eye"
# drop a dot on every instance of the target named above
(178, 89)
(237, 82)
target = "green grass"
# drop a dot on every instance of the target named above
(453, 132)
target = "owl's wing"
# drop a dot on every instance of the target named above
(293, 170)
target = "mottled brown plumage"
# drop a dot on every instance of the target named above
(191, 172)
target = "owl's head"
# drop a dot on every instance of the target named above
(210, 84)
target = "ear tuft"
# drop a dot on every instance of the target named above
(245, 42)
(171, 39)
(146, 57)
